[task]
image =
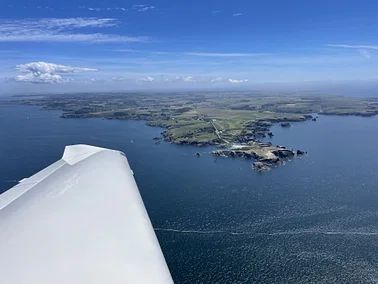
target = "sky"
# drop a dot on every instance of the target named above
(166, 44)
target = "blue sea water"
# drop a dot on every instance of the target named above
(314, 220)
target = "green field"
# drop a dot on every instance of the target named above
(205, 118)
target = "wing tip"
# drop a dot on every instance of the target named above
(76, 153)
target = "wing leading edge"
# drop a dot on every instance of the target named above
(80, 220)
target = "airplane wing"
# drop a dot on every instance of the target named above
(80, 220)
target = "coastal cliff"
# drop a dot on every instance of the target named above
(265, 155)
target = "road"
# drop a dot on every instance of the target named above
(218, 133)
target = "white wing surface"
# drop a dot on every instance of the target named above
(80, 220)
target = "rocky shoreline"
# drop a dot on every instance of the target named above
(211, 119)
(265, 155)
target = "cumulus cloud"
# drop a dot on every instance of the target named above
(60, 30)
(188, 79)
(234, 81)
(147, 79)
(182, 79)
(43, 72)
(43, 67)
(39, 78)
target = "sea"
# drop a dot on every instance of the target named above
(312, 220)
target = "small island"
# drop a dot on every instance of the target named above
(285, 125)
(235, 122)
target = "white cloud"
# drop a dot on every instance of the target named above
(144, 9)
(97, 9)
(159, 79)
(92, 38)
(215, 12)
(123, 50)
(362, 49)
(216, 80)
(182, 79)
(160, 52)
(43, 72)
(44, 67)
(49, 73)
(118, 79)
(375, 47)
(365, 53)
(39, 78)
(237, 14)
(188, 79)
(171, 79)
(60, 30)
(198, 54)
(206, 54)
(74, 23)
(146, 79)
(233, 81)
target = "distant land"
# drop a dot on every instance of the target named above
(233, 121)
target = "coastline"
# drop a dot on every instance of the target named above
(212, 119)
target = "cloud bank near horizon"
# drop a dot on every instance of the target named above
(46, 73)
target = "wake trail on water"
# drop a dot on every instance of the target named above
(268, 234)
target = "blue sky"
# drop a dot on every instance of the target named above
(85, 45)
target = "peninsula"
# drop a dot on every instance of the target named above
(233, 121)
